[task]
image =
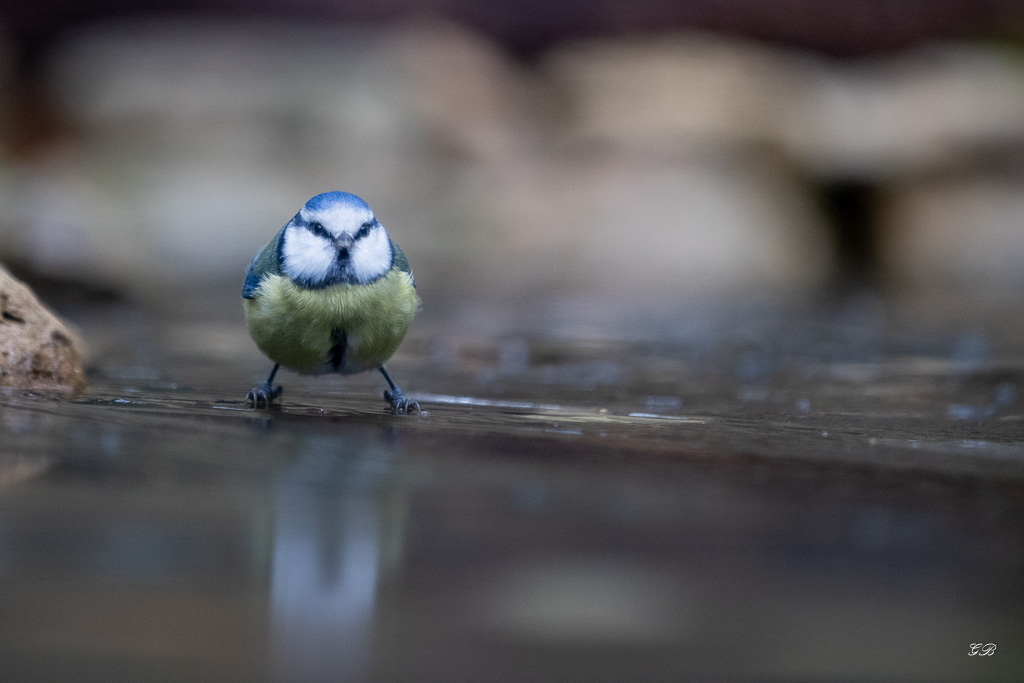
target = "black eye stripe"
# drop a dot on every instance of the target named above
(317, 228)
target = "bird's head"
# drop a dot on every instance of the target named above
(335, 239)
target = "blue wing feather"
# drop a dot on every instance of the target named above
(400, 262)
(252, 281)
(267, 262)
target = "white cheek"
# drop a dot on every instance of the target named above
(306, 256)
(371, 257)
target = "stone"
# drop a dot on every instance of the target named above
(890, 118)
(611, 223)
(668, 92)
(38, 353)
(956, 234)
(666, 182)
(472, 100)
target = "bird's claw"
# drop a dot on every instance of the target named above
(400, 403)
(262, 397)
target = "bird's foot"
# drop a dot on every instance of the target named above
(262, 397)
(400, 403)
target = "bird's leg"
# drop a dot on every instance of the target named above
(400, 403)
(264, 395)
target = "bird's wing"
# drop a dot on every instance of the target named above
(400, 262)
(267, 262)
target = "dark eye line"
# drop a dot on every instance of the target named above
(317, 228)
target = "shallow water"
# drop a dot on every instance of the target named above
(722, 491)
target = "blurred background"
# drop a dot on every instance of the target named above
(722, 347)
(665, 150)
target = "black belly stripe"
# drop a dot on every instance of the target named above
(336, 356)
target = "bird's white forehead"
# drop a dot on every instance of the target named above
(338, 217)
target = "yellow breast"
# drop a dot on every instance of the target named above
(299, 327)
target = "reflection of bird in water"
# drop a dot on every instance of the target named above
(326, 562)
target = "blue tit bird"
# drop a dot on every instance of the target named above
(331, 293)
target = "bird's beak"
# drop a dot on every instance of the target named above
(342, 242)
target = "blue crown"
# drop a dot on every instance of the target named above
(328, 199)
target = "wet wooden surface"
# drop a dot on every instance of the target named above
(739, 491)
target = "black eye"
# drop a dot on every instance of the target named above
(318, 228)
(365, 230)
